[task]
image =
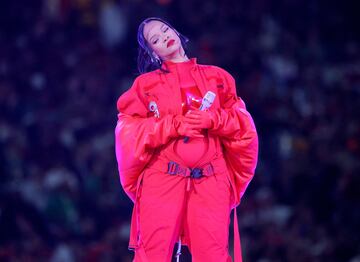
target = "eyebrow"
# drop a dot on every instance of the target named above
(156, 34)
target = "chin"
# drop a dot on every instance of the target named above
(175, 47)
(171, 50)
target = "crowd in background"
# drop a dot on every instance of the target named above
(64, 63)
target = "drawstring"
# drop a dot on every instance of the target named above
(188, 185)
(237, 241)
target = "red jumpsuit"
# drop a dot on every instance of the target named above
(171, 206)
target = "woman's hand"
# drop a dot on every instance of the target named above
(197, 119)
(186, 129)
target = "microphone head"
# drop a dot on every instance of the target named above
(207, 100)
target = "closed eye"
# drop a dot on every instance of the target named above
(154, 42)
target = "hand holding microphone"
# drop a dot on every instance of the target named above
(200, 118)
(186, 130)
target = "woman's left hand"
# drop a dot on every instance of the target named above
(199, 119)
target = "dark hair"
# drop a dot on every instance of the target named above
(146, 60)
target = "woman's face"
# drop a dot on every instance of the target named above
(162, 39)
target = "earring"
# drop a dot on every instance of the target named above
(157, 58)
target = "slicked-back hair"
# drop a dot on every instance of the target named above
(146, 61)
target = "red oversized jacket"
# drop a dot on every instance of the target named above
(138, 136)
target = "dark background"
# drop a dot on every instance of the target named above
(63, 64)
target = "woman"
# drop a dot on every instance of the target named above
(184, 168)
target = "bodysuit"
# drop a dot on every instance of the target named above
(165, 208)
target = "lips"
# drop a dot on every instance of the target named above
(170, 42)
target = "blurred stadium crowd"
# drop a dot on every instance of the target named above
(64, 63)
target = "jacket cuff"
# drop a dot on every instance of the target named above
(176, 121)
(215, 120)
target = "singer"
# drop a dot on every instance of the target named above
(186, 149)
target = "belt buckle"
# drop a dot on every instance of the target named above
(172, 168)
(196, 173)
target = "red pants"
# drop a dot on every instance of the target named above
(202, 209)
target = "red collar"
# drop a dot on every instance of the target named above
(169, 64)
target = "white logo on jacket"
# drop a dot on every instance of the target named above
(154, 108)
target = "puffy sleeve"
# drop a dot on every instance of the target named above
(236, 128)
(137, 136)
